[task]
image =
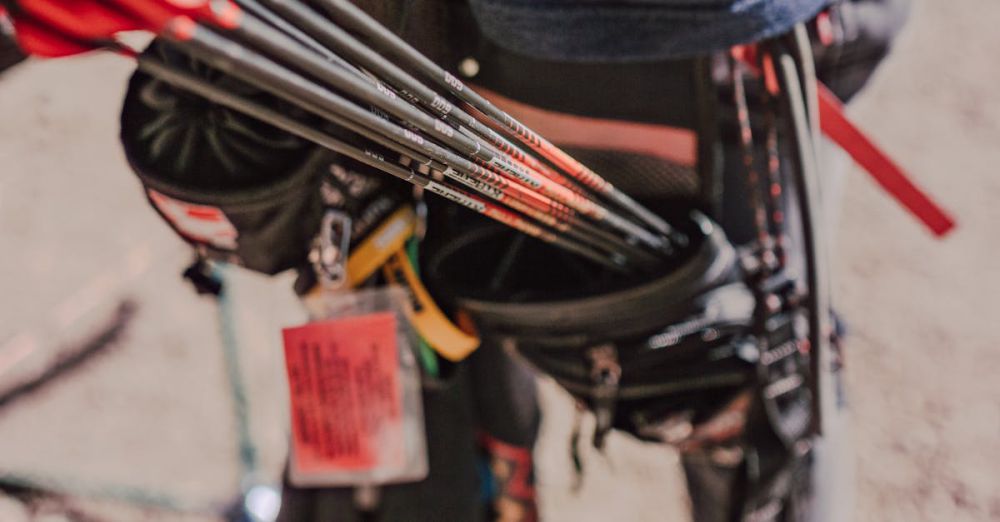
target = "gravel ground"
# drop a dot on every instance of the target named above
(151, 414)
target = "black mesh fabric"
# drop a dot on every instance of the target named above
(651, 177)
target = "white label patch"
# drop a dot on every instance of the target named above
(200, 223)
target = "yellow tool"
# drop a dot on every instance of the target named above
(390, 237)
(386, 248)
(432, 324)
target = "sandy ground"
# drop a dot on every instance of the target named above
(152, 415)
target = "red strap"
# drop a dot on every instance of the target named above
(886, 173)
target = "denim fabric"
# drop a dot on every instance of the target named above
(634, 30)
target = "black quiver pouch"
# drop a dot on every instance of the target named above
(632, 350)
(708, 352)
(236, 189)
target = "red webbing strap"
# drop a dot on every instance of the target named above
(886, 173)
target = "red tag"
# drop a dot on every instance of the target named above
(346, 402)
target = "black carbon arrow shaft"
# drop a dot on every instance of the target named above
(356, 19)
(369, 157)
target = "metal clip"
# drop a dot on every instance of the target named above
(605, 372)
(331, 248)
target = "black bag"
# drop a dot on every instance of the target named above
(238, 190)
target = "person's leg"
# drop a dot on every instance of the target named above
(508, 415)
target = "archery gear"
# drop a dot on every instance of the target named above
(716, 343)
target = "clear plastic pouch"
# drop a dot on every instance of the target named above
(354, 387)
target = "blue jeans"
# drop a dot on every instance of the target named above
(635, 30)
